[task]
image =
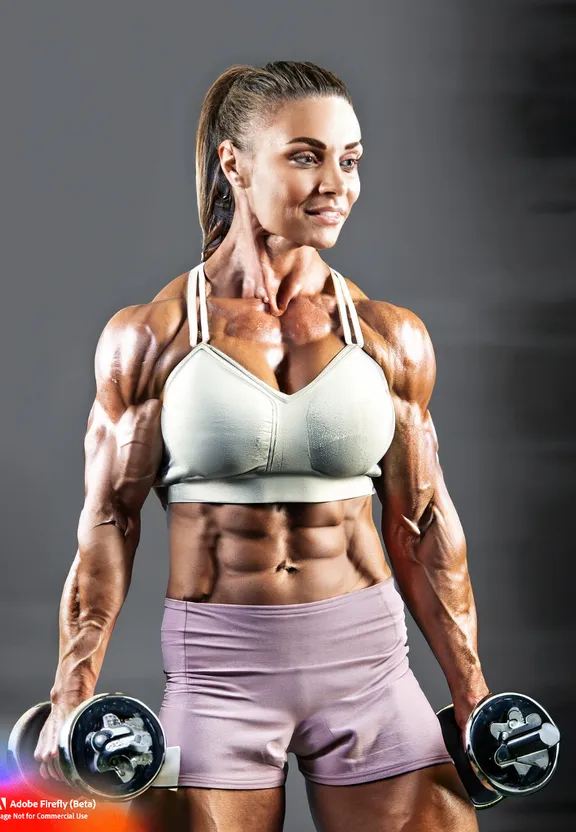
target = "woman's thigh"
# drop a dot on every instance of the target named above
(431, 799)
(210, 810)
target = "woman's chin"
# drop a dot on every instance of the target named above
(326, 244)
(318, 238)
(321, 238)
(322, 241)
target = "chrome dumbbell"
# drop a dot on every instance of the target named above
(509, 748)
(111, 746)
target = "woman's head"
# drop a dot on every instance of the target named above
(245, 142)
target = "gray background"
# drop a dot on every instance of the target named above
(467, 216)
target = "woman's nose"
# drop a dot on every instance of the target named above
(333, 180)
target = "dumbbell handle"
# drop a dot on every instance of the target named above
(530, 742)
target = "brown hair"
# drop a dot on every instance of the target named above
(239, 95)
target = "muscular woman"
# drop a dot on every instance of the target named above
(266, 399)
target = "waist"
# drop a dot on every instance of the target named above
(385, 590)
(270, 488)
(224, 642)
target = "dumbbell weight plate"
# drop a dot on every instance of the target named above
(77, 757)
(482, 745)
(481, 796)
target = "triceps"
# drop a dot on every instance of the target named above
(122, 460)
(419, 520)
(411, 473)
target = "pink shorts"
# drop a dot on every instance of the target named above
(327, 680)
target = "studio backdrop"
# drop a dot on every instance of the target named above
(467, 216)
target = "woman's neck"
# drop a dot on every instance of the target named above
(274, 274)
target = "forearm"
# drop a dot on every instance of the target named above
(430, 566)
(93, 595)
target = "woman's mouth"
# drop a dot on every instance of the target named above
(326, 217)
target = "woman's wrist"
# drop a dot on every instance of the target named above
(66, 694)
(465, 700)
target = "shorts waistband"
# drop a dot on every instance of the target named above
(357, 596)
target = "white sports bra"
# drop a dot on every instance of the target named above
(231, 438)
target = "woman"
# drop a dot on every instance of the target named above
(266, 398)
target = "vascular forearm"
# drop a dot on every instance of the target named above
(432, 573)
(93, 595)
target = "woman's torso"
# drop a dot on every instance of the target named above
(272, 552)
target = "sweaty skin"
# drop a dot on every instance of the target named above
(271, 307)
(268, 553)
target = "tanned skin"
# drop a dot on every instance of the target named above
(271, 307)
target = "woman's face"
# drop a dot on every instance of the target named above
(304, 162)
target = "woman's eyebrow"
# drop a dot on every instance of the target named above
(317, 143)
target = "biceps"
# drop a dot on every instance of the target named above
(122, 459)
(411, 469)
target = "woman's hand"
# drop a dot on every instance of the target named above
(46, 752)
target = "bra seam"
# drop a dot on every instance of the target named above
(258, 383)
(175, 370)
(273, 439)
(278, 393)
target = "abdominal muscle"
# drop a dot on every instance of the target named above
(273, 553)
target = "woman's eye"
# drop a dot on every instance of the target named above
(310, 158)
(304, 157)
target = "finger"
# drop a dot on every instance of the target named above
(53, 768)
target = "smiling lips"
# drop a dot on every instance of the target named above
(328, 214)
(326, 209)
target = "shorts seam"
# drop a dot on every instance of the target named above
(376, 774)
(400, 631)
(184, 667)
(221, 782)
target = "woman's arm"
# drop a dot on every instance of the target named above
(123, 449)
(420, 526)
(122, 453)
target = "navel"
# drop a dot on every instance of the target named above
(286, 567)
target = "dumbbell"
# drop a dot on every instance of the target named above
(509, 747)
(111, 746)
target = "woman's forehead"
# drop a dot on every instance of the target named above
(330, 121)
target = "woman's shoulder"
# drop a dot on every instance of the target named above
(175, 290)
(397, 339)
(156, 320)
(138, 338)
(384, 317)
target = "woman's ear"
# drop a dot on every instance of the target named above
(230, 162)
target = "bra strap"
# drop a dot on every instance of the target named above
(343, 298)
(341, 306)
(203, 307)
(345, 305)
(194, 276)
